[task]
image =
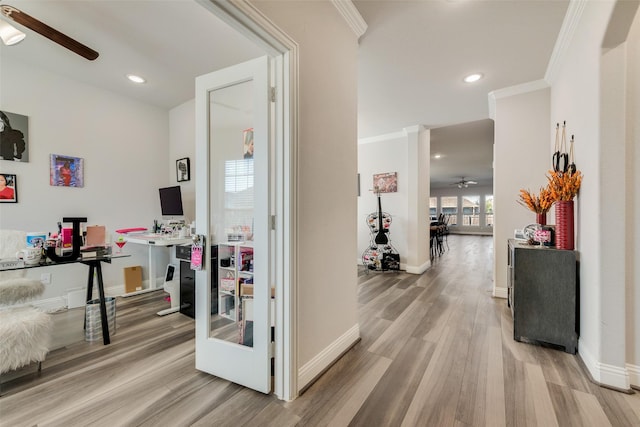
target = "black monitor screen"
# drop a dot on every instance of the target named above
(171, 201)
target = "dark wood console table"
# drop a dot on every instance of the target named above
(542, 289)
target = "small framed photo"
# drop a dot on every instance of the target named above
(385, 182)
(183, 171)
(66, 171)
(8, 188)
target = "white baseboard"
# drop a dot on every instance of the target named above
(316, 366)
(634, 375)
(50, 305)
(500, 292)
(602, 373)
(419, 269)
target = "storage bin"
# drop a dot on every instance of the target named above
(93, 321)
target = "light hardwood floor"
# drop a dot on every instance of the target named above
(436, 350)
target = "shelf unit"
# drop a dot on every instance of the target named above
(235, 268)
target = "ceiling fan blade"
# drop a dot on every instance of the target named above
(471, 182)
(51, 33)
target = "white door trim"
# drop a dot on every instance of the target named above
(252, 23)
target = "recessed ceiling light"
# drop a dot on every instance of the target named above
(136, 79)
(437, 156)
(473, 78)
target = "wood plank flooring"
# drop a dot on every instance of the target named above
(436, 350)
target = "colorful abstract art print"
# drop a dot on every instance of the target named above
(66, 171)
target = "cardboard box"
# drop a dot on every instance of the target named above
(132, 279)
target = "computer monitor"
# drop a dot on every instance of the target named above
(171, 201)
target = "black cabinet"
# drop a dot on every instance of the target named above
(188, 282)
(542, 291)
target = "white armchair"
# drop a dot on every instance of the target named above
(25, 331)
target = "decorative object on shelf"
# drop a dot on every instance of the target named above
(8, 188)
(560, 158)
(380, 255)
(14, 135)
(183, 170)
(66, 171)
(385, 182)
(564, 186)
(537, 203)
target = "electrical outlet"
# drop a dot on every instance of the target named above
(45, 278)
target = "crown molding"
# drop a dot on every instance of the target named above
(385, 137)
(350, 14)
(512, 91)
(569, 24)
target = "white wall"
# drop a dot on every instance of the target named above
(596, 77)
(382, 155)
(124, 147)
(522, 157)
(326, 178)
(182, 144)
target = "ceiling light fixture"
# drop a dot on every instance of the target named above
(437, 156)
(9, 34)
(473, 77)
(136, 79)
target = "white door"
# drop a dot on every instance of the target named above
(233, 292)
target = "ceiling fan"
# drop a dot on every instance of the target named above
(43, 29)
(463, 183)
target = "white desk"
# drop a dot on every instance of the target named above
(154, 240)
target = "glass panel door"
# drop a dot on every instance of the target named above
(233, 328)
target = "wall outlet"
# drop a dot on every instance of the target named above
(45, 278)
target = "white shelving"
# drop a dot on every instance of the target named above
(235, 268)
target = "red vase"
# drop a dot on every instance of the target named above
(564, 225)
(541, 218)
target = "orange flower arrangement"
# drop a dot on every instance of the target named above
(539, 204)
(564, 185)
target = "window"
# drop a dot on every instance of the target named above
(450, 209)
(433, 208)
(471, 210)
(488, 208)
(238, 184)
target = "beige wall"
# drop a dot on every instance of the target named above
(326, 175)
(522, 157)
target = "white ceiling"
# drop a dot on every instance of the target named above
(412, 59)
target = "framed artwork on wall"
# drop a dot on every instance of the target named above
(66, 171)
(8, 188)
(183, 170)
(14, 136)
(247, 143)
(385, 182)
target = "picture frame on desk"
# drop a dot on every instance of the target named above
(183, 170)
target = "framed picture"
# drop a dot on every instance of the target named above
(247, 143)
(14, 135)
(8, 188)
(66, 171)
(183, 170)
(385, 182)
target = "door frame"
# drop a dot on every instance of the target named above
(253, 24)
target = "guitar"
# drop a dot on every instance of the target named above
(381, 238)
(377, 255)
